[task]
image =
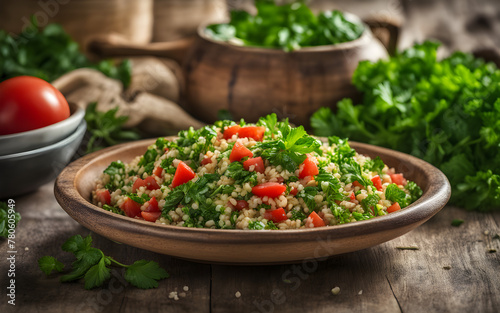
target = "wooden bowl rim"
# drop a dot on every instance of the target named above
(365, 37)
(435, 196)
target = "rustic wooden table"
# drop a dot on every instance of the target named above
(455, 269)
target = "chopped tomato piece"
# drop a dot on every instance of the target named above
(393, 208)
(103, 196)
(139, 182)
(316, 220)
(206, 160)
(131, 208)
(239, 152)
(240, 205)
(357, 184)
(230, 131)
(398, 179)
(309, 167)
(182, 175)
(277, 216)
(258, 164)
(294, 191)
(270, 189)
(254, 132)
(352, 196)
(152, 205)
(158, 171)
(151, 183)
(377, 182)
(150, 216)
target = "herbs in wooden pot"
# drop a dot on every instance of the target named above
(288, 27)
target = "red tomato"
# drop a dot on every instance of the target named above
(270, 189)
(258, 164)
(294, 191)
(393, 208)
(377, 182)
(151, 183)
(158, 171)
(152, 205)
(239, 152)
(240, 205)
(230, 131)
(206, 160)
(316, 220)
(150, 216)
(309, 167)
(352, 196)
(182, 175)
(131, 208)
(103, 196)
(277, 216)
(357, 184)
(254, 132)
(28, 103)
(398, 179)
(139, 182)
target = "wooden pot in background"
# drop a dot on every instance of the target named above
(252, 82)
(83, 19)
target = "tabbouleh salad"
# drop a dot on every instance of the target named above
(267, 175)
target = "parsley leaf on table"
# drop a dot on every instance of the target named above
(48, 264)
(94, 267)
(145, 274)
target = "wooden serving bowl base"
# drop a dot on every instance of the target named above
(74, 185)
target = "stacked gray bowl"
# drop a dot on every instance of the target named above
(30, 159)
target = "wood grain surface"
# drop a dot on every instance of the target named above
(455, 269)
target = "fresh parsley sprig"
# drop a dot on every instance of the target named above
(290, 145)
(93, 266)
(106, 129)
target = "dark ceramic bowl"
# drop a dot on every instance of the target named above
(24, 172)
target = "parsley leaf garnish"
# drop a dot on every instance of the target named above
(145, 274)
(48, 264)
(94, 267)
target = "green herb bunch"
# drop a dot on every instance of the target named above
(288, 27)
(94, 267)
(446, 112)
(49, 53)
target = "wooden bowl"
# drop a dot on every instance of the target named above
(252, 82)
(74, 185)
